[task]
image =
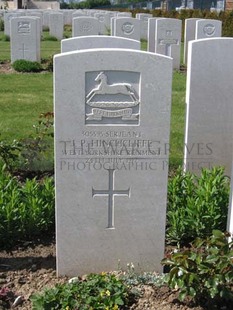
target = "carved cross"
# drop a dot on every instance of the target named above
(23, 50)
(110, 192)
(168, 45)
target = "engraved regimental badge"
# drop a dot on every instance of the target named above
(112, 98)
(209, 30)
(24, 27)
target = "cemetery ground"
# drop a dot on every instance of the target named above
(28, 265)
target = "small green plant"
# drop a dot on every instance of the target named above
(67, 31)
(97, 291)
(48, 63)
(22, 65)
(26, 209)
(49, 38)
(9, 154)
(1, 24)
(135, 280)
(204, 271)
(196, 205)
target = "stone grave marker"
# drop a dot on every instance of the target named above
(67, 17)
(143, 17)
(25, 38)
(189, 34)
(85, 26)
(112, 26)
(45, 20)
(7, 18)
(78, 14)
(103, 20)
(151, 34)
(108, 16)
(56, 25)
(36, 14)
(208, 28)
(80, 43)
(124, 14)
(168, 39)
(112, 125)
(209, 111)
(127, 27)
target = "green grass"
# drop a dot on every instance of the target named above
(23, 97)
(177, 119)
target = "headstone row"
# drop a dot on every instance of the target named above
(111, 173)
(163, 34)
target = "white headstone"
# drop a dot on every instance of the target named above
(124, 14)
(56, 25)
(108, 16)
(37, 14)
(103, 21)
(112, 124)
(112, 26)
(168, 39)
(209, 126)
(7, 18)
(208, 28)
(46, 19)
(144, 24)
(85, 26)
(189, 34)
(25, 38)
(78, 14)
(67, 17)
(127, 27)
(80, 43)
(151, 34)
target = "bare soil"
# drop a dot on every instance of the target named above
(6, 68)
(31, 266)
